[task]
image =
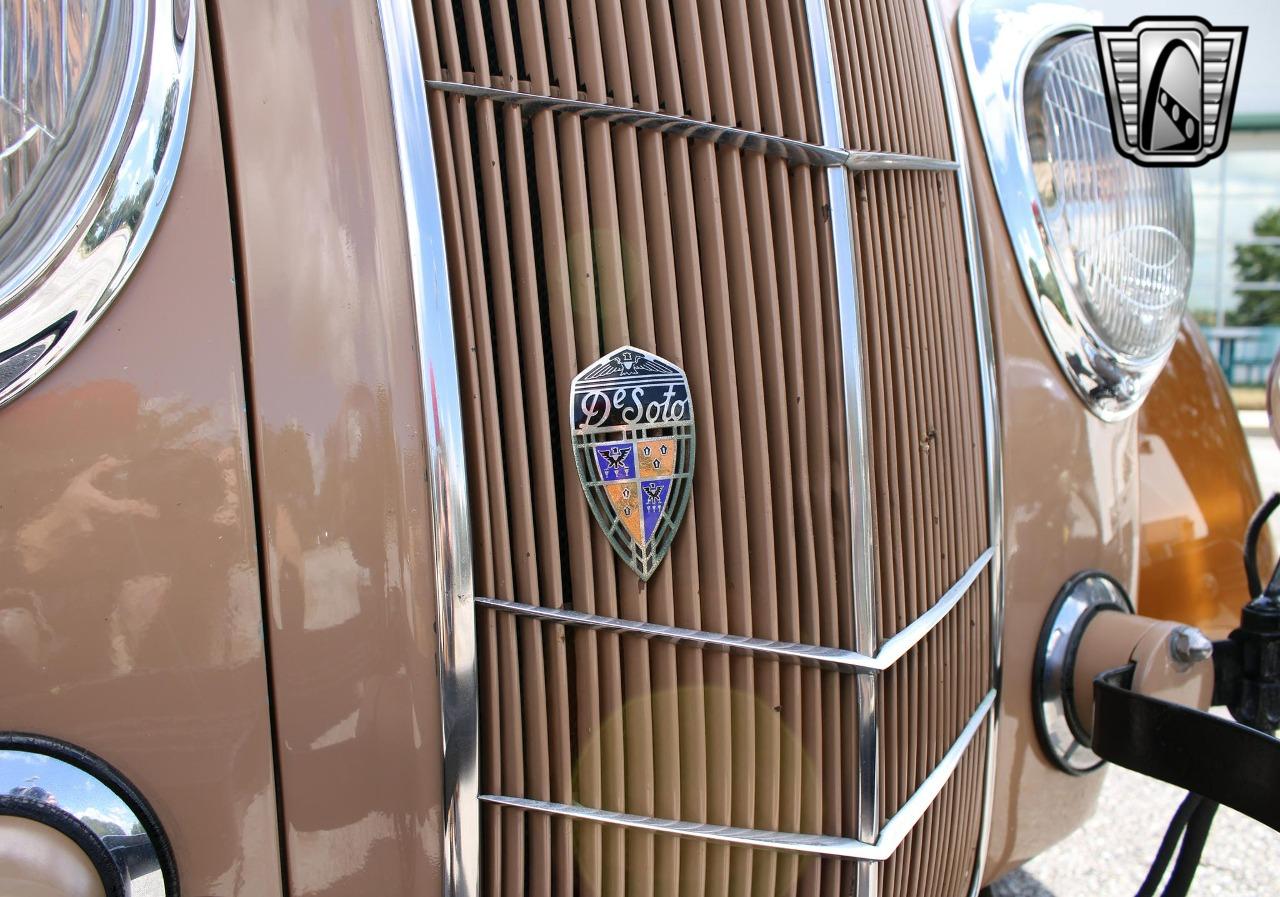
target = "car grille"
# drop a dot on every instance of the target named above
(808, 673)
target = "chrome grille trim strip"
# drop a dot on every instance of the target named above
(813, 845)
(769, 145)
(861, 525)
(446, 462)
(838, 659)
(990, 408)
(897, 646)
(808, 655)
(890, 837)
(896, 829)
(860, 161)
(831, 155)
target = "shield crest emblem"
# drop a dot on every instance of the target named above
(631, 417)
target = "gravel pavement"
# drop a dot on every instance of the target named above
(1110, 856)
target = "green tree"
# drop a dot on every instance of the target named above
(102, 828)
(1205, 317)
(1259, 264)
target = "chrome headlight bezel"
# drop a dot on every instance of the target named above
(1000, 44)
(68, 255)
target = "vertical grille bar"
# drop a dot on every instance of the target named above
(865, 629)
(442, 419)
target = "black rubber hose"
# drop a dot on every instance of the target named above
(1172, 836)
(1184, 871)
(1273, 588)
(1256, 523)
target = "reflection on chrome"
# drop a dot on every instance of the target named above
(87, 161)
(442, 409)
(1063, 737)
(42, 781)
(831, 155)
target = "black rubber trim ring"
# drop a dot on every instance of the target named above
(80, 834)
(115, 780)
(1037, 667)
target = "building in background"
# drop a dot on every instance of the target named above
(1235, 290)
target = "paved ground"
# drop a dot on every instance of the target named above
(149, 886)
(1110, 856)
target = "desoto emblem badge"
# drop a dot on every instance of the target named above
(1171, 85)
(631, 417)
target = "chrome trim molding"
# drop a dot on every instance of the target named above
(837, 659)
(830, 155)
(446, 463)
(906, 639)
(861, 526)
(897, 828)
(889, 840)
(1061, 735)
(781, 147)
(82, 260)
(990, 413)
(860, 161)
(999, 41)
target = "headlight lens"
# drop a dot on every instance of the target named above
(1120, 234)
(67, 77)
(46, 55)
(94, 96)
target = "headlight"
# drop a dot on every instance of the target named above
(1105, 245)
(1120, 234)
(61, 97)
(45, 100)
(93, 106)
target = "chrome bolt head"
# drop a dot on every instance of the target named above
(1189, 646)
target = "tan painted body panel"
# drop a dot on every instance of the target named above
(1070, 504)
(1198, 491)
(338, 428)
(130, 609)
